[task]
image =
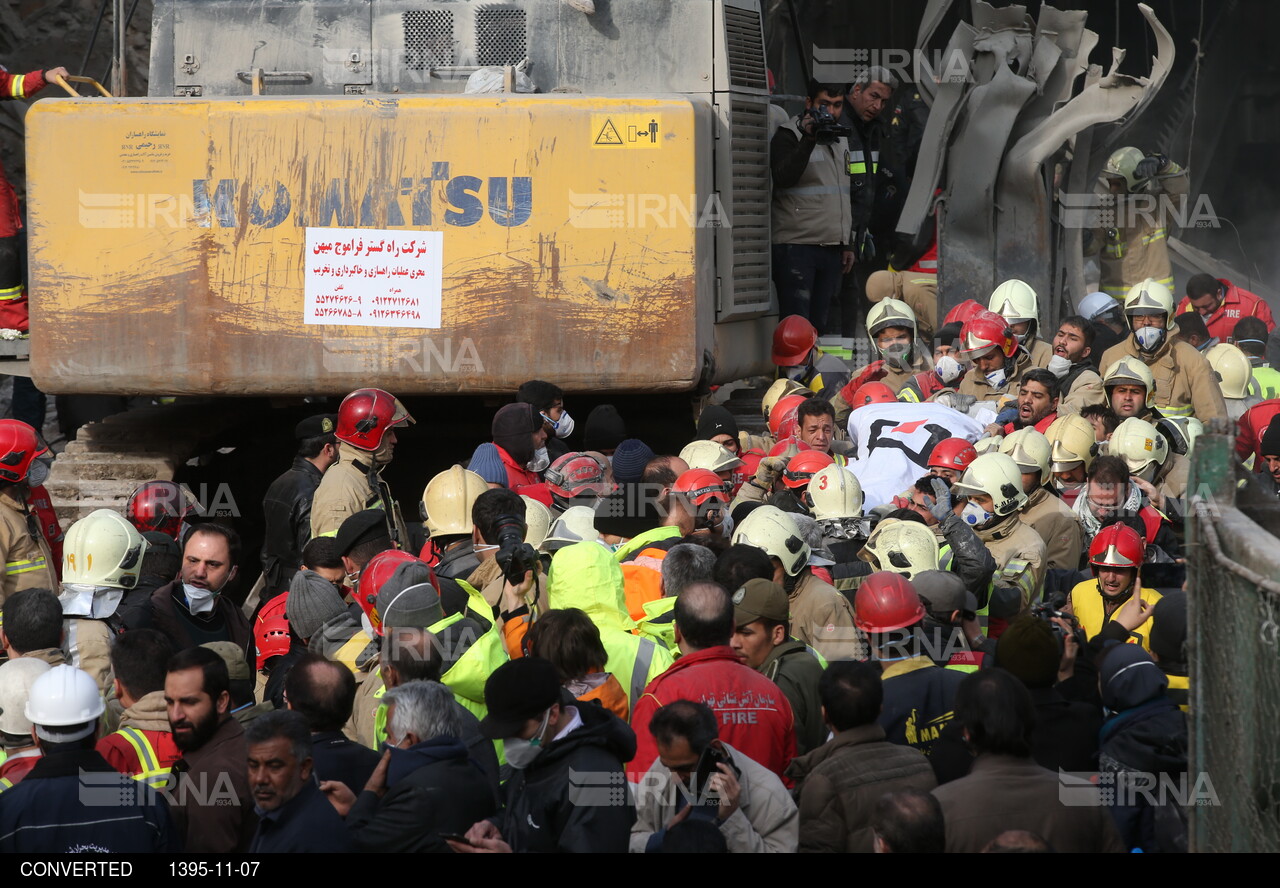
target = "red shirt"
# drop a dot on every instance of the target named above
(1253, 425)
(1041, 426)
(524, 482)
(754, 714)
(1235, 305)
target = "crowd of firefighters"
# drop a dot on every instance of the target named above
(963, 557)
(893, 620)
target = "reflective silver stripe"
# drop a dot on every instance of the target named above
(640, 669)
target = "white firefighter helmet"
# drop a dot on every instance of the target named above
(447, 501)
(1015, 301)
(709, 455)
(995, 475)
(1030, 450)
(103, 549)
(1071, 443)
(537, 521)
(1150, 297)
(904, 547)
(1130, 370)
(576, 525)
(1139, 444)
(779, 390)
(836, 493)
(773, 530)
(891, 313)
(1235, 373)
(1123, 164)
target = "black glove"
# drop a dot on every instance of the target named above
(1149, 166)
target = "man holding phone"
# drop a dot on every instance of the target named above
(697, 775)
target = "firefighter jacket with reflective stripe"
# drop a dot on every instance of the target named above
(1021, 558)
(143, 747)
(866, 174)
(1135, 246)
(344, 490)
(810, 189)
(1236, 305)
(28, 563)
(14, 86)
(1185, 383)
(586, 576)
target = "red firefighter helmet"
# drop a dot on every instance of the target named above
(887, 601)
(577, 474)
(365, 415)
(784, 448)
(784, 412)
(19, 446)
(750, 463)
(987, 330)
(1117, 545)
(873, 393)
(271, 630)
(159, 506)
(697, 487)
(803, 466)
(952, 453)
(793, 339)
(963, 312)
(375, 573)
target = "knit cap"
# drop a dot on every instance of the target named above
(486, 463)
(629, 460)
(312, 602)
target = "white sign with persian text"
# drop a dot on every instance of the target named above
(365, 277)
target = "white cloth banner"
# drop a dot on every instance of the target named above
(894, 442)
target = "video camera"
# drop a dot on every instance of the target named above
(1049, 610)
(825, 127)
(514, 556)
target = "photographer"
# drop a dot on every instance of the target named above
(812, 214)
(498, 517)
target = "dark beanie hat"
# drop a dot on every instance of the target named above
(716, 420)
(626, 513)
(629, 461)
(948, 333)
(605, 429)
(1029, 650)
(1169, 627)
(513, 428)
(1271, 439)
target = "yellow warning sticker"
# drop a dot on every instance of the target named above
(626, 131)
